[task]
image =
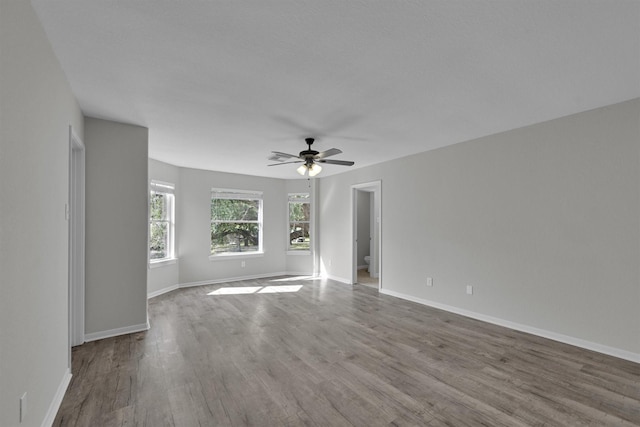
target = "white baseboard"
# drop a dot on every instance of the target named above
(339, 279)
(57, 400)
(578, 342)
(115, 332)
(232, 279)
(227, 280)
(162, 291)
(300, 273)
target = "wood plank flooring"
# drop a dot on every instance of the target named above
(330, 354)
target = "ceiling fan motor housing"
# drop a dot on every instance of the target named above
(309, 154)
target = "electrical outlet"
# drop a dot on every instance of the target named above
(243, 264)
(469, 290)
(23, 406)
(429, 281)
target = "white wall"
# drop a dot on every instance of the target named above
(543, 221)
(116, 228)
(165, 276)
(36, 109)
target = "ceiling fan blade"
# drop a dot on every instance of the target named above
(280, 154)
(330, 152)
(337, 162)
(286, 163)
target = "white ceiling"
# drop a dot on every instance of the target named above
(220, 84)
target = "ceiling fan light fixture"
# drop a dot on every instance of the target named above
(302, 170)
(314, 169)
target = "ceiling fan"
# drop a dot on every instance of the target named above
(310, 158)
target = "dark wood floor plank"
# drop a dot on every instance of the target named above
(335, 355)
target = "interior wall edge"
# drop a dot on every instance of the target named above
(95, 336)
(57, 399)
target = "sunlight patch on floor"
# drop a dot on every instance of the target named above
(291, 279)
(236, 290)
(240, 290)
(279, 289)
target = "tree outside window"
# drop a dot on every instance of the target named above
(299, 222)
(161, 221)
(236, 222)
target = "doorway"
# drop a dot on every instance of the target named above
(76, 217)
(367, 220)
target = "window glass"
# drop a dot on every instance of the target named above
(299, 222)
(236, 222)
(161, 221)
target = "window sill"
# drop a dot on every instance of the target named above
(162, 263)
(307, 253)
(227, 257)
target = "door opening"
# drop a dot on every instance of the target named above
(366, 225)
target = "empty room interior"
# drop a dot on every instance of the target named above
(335, 213)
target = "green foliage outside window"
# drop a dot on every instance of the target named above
(299, 222)
(235, 225)
(159, 225)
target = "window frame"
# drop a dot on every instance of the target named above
(168, 190)
(235, 194)
(308, 199)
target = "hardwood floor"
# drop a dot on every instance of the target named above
(327, 354)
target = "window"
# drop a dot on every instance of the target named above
(161, 222)
(236, 222)
(299, 222)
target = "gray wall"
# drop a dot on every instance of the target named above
(543, 221)
(36, 109)
(116, 227)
